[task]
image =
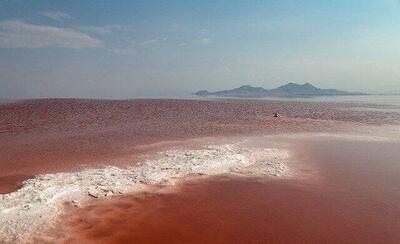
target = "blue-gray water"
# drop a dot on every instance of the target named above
(376, 102)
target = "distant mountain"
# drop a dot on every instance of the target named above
(288, 90)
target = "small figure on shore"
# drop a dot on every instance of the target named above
(276, 115)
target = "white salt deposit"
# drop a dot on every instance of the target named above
(25, 213)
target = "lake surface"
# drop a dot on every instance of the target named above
(376, 102)
(348, 149)
(371, 103)
(352, 195)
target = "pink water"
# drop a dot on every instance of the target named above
(353, 198)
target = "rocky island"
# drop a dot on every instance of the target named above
(288, 90)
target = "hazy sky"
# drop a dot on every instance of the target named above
(142, 47)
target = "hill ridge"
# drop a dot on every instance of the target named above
(290, 89)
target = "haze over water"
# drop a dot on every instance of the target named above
(390, 101)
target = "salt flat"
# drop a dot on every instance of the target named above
(34, 208)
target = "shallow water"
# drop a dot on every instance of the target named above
(47, 136)
(352, 196)
(53, 135)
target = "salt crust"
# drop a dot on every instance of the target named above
(32, 209)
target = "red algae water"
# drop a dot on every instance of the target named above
(353, 198)
(345, 187)
(52, 135)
